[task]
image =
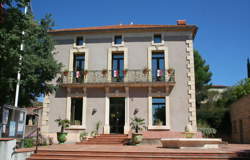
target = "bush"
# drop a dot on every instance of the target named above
(28, 142)
(206, 130)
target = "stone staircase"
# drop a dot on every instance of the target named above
(107, 139)
(118, 155)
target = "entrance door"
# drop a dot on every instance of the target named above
(117, 115)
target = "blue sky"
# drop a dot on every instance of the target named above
(223, 38)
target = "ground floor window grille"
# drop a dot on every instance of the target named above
(76, 111)
(159, 111)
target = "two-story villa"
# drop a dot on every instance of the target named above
(113, 73)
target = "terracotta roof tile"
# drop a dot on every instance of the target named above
(192, 28)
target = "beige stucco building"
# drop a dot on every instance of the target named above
(113, 73)
(240, 120)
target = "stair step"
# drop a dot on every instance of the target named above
(99, 155)
(73, 156)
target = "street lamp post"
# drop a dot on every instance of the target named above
(18, 72)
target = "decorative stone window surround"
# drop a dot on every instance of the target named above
(191, 85)
(117, 49)
(152, 49)
(157, 49)
(84, 109)
(150, 116)
(113, 40)
(162, 39)
(107, 111)
(73, 51)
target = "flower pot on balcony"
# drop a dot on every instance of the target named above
(104, 72)
(65, 73)
(125, 71)
(170, 70)
(85, 73)
(145, 71)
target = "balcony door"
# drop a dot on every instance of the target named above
(158, 66)
(117, 67)
(78, 66)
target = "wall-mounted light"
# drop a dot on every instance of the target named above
(136, 111)
(94, 111)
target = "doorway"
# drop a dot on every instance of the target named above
(117, 115)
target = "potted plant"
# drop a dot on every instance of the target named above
(170, 70)
(62, 136)
(145, 71)
(83, 136)
(65, 72)
(188, 132)
(137, 124)
(85, 72)
(104, 71)
(125, 71)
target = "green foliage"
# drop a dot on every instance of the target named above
(93, 133)
(28, 142)
(206, 130)
(64, 123)
(37, 65)
(216, 112)
(97, 126)
(137, 124)
(202, 78)
(83, 135)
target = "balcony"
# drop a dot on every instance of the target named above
(100, 78)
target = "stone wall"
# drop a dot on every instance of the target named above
(240, 120)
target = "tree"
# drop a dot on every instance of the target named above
(248, 68)
(37, 65)
(202, 78)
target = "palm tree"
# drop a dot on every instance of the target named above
(137, 124)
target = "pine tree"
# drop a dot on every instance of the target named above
(248, 68)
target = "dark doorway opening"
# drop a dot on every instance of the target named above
(117, 115)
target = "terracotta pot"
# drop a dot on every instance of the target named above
(65, 73)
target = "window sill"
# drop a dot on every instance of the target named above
(79, 47)
(158, 44)
(158, 128)
(75, 128)
(118, 45)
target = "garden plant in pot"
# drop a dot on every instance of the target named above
(83, 136)
(62, 136)
(137, 124)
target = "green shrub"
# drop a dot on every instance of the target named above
(28, 142)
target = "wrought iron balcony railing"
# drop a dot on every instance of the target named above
(116, 76)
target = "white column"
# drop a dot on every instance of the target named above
(68, 108)
(167, 109)
(126, 126)
(150, 124)
(84, 109)
(106, 129)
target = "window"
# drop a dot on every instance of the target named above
(157, 38)
(158, 66)
(76, 111)
(118, 39)
(159, 111)
(79, 41)
(78, 66)
(117, 67)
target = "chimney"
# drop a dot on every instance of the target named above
(181, 22)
